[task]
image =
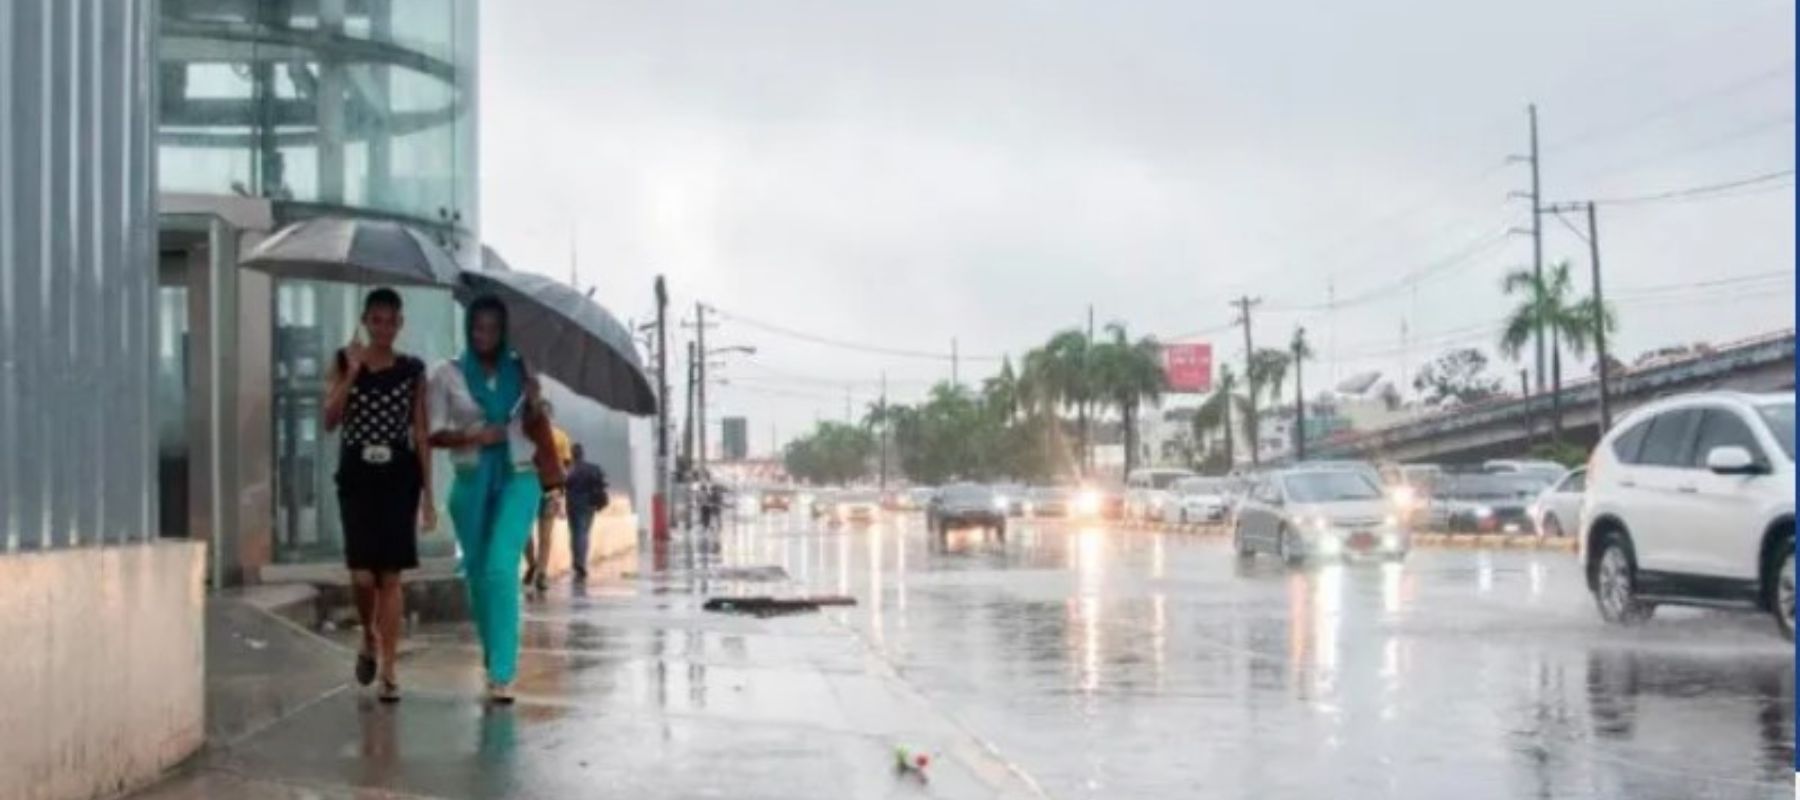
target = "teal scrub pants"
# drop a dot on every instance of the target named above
(491, 563)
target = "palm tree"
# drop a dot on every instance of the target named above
(1548, 306)
(1000, 393)
(1068, 368)
(1215, 413)
(1128, 374)
(1299, 352)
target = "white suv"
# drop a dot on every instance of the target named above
(1690, 501)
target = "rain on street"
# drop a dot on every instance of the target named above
(1122, 663)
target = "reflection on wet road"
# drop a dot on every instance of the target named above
(1131, 664)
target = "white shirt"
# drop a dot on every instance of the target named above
(449, 406)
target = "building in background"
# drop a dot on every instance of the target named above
(272, 111)
(736, 438)
(102, 685)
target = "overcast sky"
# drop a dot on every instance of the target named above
(904, 174)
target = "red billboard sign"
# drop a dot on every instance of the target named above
(1188, 368)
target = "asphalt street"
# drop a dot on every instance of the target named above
(1111, 663)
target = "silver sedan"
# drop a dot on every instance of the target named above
(1304, 514)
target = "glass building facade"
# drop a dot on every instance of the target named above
(321, 107)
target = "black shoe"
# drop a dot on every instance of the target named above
(390, 692)
(365, 668)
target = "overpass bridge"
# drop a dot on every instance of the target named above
(1507, 428)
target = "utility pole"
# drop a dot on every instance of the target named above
(1537, 238)
(955, 365)
(687, 442)
(1299, 397)
(882, 420)
(1599, 320)
(659, 523)
(700, 379)
(1244, 304)
(1593, 242)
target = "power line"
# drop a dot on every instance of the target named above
(1698, 191)
(1727, 137)
(1440, 266)
(827, 341)
(1667, 109)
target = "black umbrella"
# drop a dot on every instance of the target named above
(567, 336)
(366, 251)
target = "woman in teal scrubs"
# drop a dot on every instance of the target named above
(477, 404)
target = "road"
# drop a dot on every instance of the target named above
(1110, 663)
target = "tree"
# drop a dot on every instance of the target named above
(1300, 352)
(1458, 377)
(1548, 306)
(1126, 375)
(833, 452)
(1268, 372)
(1215, 415)
(1068, 368)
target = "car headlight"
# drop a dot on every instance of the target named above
(1328, 544)
(1483, 512)
(1390, 521)
(1000, 503)
(1316, 522)
(1405, 496)
(1088, 502)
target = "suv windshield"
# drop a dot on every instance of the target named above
(1780, 418)
(1329, 487)
(1200, 486)
(968, 494)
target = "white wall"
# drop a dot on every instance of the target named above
(102, 686)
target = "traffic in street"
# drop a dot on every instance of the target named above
(1107, 662)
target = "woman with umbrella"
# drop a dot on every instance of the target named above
(479, 403)
(377, 400)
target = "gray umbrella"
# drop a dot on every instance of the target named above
(565, 335)
(366, 251)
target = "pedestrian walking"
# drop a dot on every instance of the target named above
(584, 496)
(537, 555)
(480, 404)
(376, 398)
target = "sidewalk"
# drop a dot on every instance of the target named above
(626, 689)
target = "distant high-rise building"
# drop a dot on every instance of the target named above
(737, 438)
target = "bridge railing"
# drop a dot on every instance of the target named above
(1722, 360)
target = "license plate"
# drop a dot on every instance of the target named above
(1362, 540)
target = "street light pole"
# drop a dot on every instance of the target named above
(660, 503)
(1599, 320)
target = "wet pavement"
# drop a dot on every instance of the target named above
(1069, 661)
(1136, 664)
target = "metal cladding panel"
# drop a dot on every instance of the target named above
(77, 272)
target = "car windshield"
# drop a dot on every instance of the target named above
(1488, 487)
(1163, 480)
(1329, 486)
(1200, 486)
(1780, 418)
(968, 494)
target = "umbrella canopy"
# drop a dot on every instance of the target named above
(366, 251)
(563, 334)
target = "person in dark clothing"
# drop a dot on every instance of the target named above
(375, 401)
(585, 494)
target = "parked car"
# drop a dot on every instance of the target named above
(916, 498)
(965, 505)
(1147, 494)
(820, 502)
(1479, 502)
(1304, 513)
(776, 499)
(1690, 500)
(1012, 496)
(849, 507)
(1547, 471)
(1048, 501)
(1558, 508)
(1200, 500)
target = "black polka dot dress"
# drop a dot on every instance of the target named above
(378, 477)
